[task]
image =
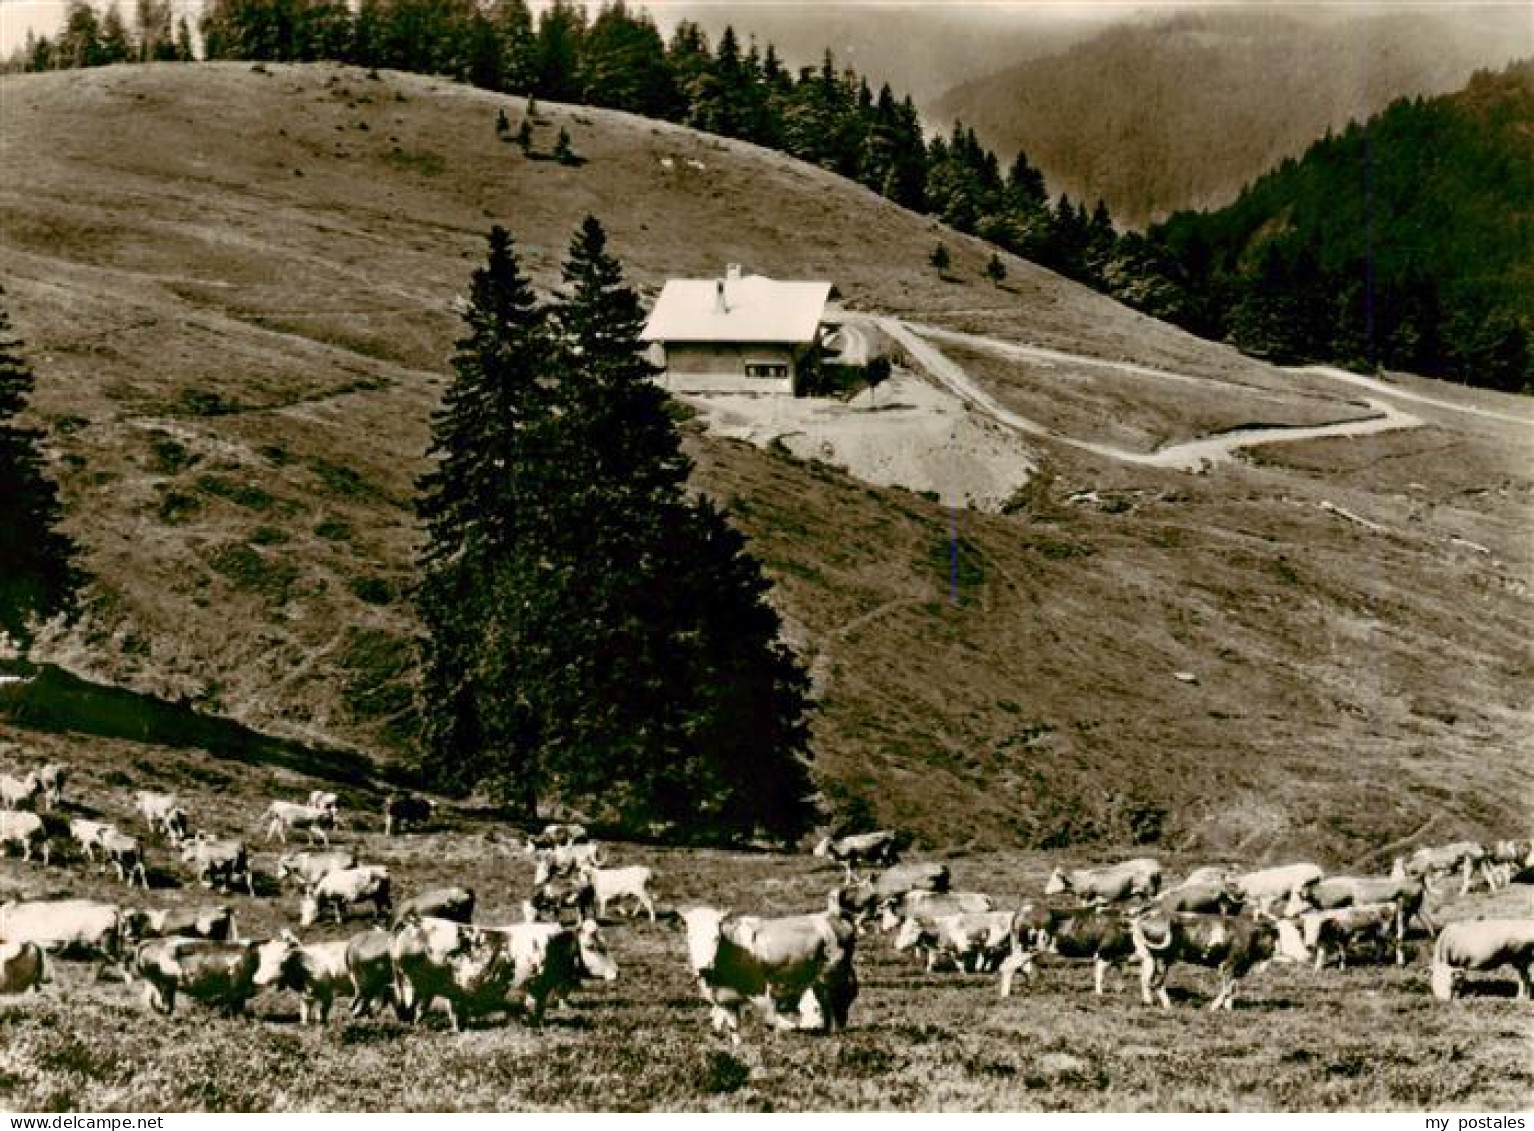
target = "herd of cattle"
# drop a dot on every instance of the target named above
(797, 970)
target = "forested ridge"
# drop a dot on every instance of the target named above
(1405, 242)
(1396, 243)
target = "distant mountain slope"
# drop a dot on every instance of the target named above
(236, 284)
(1182, 112)
(1407, 242)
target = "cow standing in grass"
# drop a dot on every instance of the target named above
(1483, 944)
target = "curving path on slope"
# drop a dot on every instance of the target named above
(1192, 455)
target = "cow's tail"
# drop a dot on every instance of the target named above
(1442, 977)
(1142, 941)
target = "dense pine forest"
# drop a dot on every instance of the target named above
(1392, 244)
(1406, 243)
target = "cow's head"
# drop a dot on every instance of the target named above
(135, 923)
(1301, 899)
(703, 932)
(275, 960)
(1057, 883)
(823, 848)
(595, 959)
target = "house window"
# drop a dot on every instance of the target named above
(767, 369)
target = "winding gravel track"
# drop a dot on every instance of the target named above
(1193, 455)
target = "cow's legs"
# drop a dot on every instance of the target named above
(1525, 981)
(1153, 981)
(1099, 975)
(1467, 873)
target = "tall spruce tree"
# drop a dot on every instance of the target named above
(479, 508)
(38, 575)
(675, 699)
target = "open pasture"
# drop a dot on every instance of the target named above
(1369, 1037)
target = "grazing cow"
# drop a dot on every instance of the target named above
(216, 973)
(557, 836)
(1408, 896)
(565, 860)
(1319, 934)
(633, 882)
(1208, 874)
(163, 814)
(553, 897)
(880, 848)
(1263, 889)
(312, 867)
(25, 830)
(1112, 884)
(402, 810)
(316, 972)
(1483, 944)
(52, 778)
(454, 904)
(88, 834)
(213, 923)
(218, 864)
(1428, 864)
(1202, 899)
(22, 968)
(930, 905)
(1506, 859)
(1098, 934)
(972, 942)
(371, 970)
(435, 958)
(22, 792)
(126, 855)
(280, 816)
(797, 970)
(479, 970)
(1232, 945)
(339, 891)
(551, 961)
(77, 927)
(867, 898)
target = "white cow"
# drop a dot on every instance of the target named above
(67, 926)
(1483, 944)
(22, 792)
(280, 816)
(26, 830)
(1431, 863)
(163, 813)
(633, 882)
(311, 867)
(341, 890)
(88, 834)
(126, 855)
(1262, 889)
(1141, 877)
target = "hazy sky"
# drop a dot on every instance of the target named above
(17, 17)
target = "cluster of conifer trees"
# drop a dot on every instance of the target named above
(592, 633)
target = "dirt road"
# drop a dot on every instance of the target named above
(1192, 455)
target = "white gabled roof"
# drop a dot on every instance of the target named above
(756, 309)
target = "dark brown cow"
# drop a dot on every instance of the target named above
(1099, 935)
(1232, 945)
(215, 973)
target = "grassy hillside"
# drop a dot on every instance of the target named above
(236, 284)
(1182, 112)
